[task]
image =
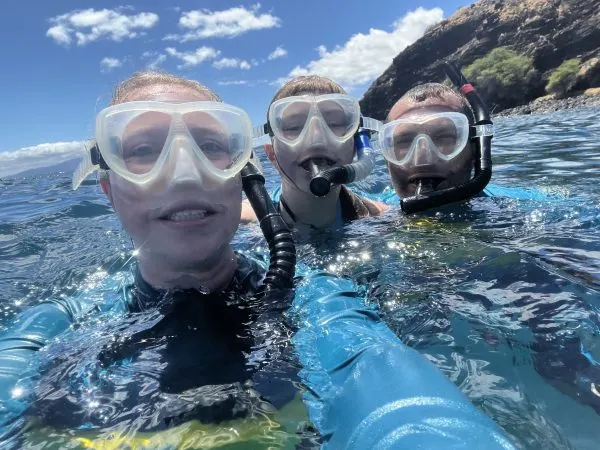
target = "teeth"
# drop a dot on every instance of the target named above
(188, 214)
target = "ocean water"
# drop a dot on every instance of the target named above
(502, 295)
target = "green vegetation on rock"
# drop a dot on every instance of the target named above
(502, 76)
(564, 77)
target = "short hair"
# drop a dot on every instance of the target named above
(149, 78)
(424, 92)
(307, 84)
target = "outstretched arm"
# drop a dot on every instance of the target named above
(367, 389)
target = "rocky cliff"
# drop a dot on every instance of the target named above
(549, 31)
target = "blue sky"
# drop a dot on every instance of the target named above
(61, 59)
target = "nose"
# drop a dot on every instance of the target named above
(184, 163)
(316, 132)
(423, 152)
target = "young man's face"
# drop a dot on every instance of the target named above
(182, 217)
(316, 145)
(447, 173)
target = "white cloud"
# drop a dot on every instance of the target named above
(110, 63)
(42, 155)
(277, 53)
(227, 23)
(195, 57)
(232, 83)
(365, 56)
(89, 25)
(231, 63)
(156, 59)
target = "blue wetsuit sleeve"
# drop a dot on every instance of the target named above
(387, 196)
(493, 190)
(366, 389)
(27, 334)
(19, 345)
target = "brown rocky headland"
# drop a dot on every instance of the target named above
(546, 32)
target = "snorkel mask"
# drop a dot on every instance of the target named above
(332, 119)
(424, 139)
(205, 142)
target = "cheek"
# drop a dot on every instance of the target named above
(284, 155)
(347, 152)
(129, 203)
(398, 175)
(464, 162)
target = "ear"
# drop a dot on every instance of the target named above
(105, 185)
(270, 152)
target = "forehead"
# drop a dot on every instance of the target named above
(406, 107)
(165, 92)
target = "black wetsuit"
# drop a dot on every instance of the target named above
(184, 355)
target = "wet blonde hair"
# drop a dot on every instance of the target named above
(149, 78)
(307, 84)
(142, 79)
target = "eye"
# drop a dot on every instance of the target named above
(403, 140)
(140, 151)
(212, 148)
(291, 127)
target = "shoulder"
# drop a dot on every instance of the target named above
(387, 197)
(375, 207)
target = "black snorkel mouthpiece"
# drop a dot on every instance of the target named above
(322, 181)
(282, 250)
(482, 136)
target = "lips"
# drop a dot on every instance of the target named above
(187, 212)
(187, 215)
(415, 177)
(319, 161)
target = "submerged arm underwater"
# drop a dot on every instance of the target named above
(366, 389)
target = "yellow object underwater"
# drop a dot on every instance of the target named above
(267, 431)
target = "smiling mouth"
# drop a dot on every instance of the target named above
(188, 215)
(322, 162)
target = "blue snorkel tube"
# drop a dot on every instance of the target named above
(322, 181)
(482, 132)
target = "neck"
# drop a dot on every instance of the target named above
(320, 212)
(210, 276)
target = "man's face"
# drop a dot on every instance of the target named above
(316, 146)
(425, 163)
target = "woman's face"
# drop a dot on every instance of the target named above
(183, 217)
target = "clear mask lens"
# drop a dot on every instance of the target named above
(136, 139)
(293, 118)
(442, 136)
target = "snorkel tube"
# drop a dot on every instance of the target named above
(482, 137)
(322, 181)
(282, 264)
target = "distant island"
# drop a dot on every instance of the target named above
(524, 56)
